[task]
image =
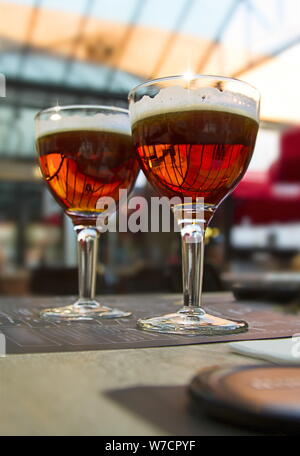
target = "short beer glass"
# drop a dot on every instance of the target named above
(85, 153)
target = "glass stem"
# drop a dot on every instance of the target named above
(87, 248)
(192, 224)
(192, 264)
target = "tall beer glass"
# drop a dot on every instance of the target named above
(194, 138)
(85, 153)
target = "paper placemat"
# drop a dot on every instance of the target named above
(25, 332)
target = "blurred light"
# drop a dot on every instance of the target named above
(141, 180)
(37, 174)
(55, 116)
(189, 75)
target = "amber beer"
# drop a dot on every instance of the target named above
(80, 166)
(195, 153)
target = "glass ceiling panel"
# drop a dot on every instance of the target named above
(203, 19)
(263, 26)
(161, 14)
(16, 132)
(46, 68)
(158, 13)
(206, 17)
(109, 45)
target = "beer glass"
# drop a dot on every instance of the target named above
(194, 137)
(85, 153)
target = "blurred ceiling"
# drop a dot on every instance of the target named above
(97, 50)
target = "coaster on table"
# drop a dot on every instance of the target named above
(263, 397)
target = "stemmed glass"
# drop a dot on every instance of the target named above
(194, 137)
(85, 153)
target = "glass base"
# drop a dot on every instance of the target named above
(192, 323)
(82, 311)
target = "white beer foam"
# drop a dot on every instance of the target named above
(172, 99)
(113, 123)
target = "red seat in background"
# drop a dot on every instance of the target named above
(272, 196)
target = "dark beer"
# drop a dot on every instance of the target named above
(81, 166)
(195, 153)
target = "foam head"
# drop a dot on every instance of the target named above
(175, 98)
(57, 121)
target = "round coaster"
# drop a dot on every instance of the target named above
(262, 396)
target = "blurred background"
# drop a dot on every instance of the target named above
(95, 51)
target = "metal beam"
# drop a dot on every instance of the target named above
(17, 170)
(40, 89)
(265, 58)
(30, 29)
(183, 14)
(139, 6)
(224, 24)
(77, 39)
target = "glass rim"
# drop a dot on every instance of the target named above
(58, 108)
(192, 77)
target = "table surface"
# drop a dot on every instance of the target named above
(111, 393)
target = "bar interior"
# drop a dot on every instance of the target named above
(149, 219)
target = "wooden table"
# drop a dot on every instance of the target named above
(111, 393)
